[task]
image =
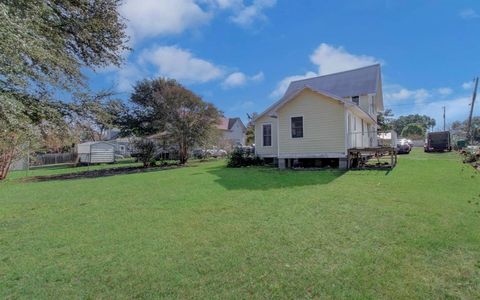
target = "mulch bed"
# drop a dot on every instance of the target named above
(101, 173)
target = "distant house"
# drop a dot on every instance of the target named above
(96, 152)
(318, 119)
(233, 131)
(123, 146)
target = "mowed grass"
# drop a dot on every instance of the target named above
(210, 232)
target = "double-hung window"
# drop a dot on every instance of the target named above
(267, 135)
(297, 127)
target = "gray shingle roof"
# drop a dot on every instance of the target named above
(356, 82)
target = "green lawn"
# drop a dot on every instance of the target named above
(210, 232)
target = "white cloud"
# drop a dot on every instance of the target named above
(457, 109)
(328, 59)
(246, 15)
(235, 79)
(225, 4)
(126, 77)
(238, 79)
(428, 102)
(468, 14)
(150, 18)
(285, 82)
(181, 64)
(394, 93)
(467, 85)
(258, 77)
(445, 91)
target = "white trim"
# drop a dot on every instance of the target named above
(271, 134)
(313, 155)
(345, 121)
(278, 135)
(280, 103)
(303, 127)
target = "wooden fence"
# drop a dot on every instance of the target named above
(52, 158)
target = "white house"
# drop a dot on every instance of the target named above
(233, 131)
(319, 119)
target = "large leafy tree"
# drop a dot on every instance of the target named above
(95, 114)
(424, 121)
(165, 106)
(413, 131)
(459, 129)
(44, 46)
(384, 120)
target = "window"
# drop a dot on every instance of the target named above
(267, 135)
(363, 128)
(356, 100)
(297, 127)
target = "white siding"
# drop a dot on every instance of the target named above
(269, 151)
(356, 137)
(323, 126)
(235, 134)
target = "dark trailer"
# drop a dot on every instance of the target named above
(438, 141)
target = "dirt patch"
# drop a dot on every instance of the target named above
(101, 173)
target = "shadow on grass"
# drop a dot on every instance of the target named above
(99, 173)
(263, 178)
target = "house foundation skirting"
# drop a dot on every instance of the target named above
(313, 155)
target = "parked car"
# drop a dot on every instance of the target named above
(403, 147)
(438, 141)
(410, 142)
(215, 152)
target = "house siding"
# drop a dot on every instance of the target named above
(323, 125)
(236, 134)
(355, 136)
(259, 148)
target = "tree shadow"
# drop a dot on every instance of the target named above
(99, 173)
(264, 178)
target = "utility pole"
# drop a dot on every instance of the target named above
(444, 118)
(469, 125)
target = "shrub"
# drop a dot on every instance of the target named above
(242, 157)
(146, 151)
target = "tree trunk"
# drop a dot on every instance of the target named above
(5, 164)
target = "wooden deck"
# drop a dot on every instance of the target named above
(372, 157)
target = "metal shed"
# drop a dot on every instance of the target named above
(96, 152)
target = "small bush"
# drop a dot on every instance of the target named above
(146, 152)
(241, 157)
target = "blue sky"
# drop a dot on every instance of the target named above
(241, 54)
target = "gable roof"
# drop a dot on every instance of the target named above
(223, 124)
(355, 82)
(227, 123)
(361, 81)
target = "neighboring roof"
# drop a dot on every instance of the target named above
(94, 142)
(223, 124)
(356, 82)
(227, 123)
(338, 86)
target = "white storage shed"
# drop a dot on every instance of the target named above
(96, 152)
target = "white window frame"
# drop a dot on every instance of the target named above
(271, 135)
(303, 127)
